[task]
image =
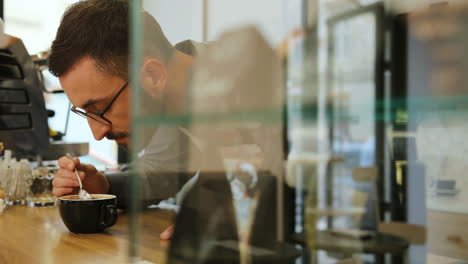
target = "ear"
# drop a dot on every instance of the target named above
(154, 77)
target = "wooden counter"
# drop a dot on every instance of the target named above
(37, 235)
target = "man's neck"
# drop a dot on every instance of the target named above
(179, 71)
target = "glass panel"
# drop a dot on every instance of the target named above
(308, 131)
(207, 134)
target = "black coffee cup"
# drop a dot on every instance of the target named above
(88, 216)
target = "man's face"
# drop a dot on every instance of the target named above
(92, 90)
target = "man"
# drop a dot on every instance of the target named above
(90, 58)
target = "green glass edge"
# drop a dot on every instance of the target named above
(135, 60)
(401, 111)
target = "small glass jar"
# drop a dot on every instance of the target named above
(39, 191)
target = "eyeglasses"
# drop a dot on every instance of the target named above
(99, 116)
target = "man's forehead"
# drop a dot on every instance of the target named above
(84, 82)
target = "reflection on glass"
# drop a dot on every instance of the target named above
(353, 89)
(243, 179)
(219, 118)
(209, 135)
(340, 201)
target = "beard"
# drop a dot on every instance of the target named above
(118, 135)
(123, 146)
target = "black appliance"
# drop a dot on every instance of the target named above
(23, 116)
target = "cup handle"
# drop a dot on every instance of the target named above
(108, 215)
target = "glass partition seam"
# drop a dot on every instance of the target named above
(135, 60)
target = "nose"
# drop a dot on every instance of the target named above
(99, 130)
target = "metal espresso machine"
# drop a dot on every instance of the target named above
(23, 116)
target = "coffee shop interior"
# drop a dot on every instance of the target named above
(220, 131)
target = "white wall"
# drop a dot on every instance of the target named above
(35, 22)
(183, 19)
(268, 15)
(179, 19)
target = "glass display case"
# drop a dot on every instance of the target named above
(297, 132)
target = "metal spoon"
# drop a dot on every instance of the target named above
(82, 194)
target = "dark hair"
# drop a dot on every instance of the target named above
(100, 29)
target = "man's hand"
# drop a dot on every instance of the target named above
(167, 234)
(65, 181)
